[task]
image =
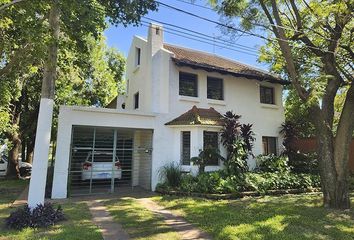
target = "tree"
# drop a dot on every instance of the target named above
(311, 46)
(76, 19)
(238, 140)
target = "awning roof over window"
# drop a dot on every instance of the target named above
(198, 116)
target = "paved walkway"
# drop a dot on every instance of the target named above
(110, 229)
(22, 198)
(185, 229)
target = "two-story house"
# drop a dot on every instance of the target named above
(171, 110)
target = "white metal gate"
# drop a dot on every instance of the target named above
(106, 159)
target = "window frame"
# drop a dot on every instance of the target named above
(263, 95)
(185, 161)
(195, 91)
(136, 100)
(217, 144)
(222, 97)
(267, 148)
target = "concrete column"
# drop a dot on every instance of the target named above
(41, 151)
(62, 156)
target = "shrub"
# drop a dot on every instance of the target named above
(263, 182)
(272, 163)
(238, 140)
(303, 162)
(171, 174)
(206, 156)
(41, 216)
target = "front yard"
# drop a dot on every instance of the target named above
(139, 222)
(285, 217)
(77, 226)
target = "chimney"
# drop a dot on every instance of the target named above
(155, 37)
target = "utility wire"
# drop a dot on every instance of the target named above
(231, 27)
(202, 41)
(254, 23)
(210, 41)
(221, 40)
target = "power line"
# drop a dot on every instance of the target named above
(221, 40)
(203, 41)
(207, 40)
(197, 5)
(231, 27)
(257, 24)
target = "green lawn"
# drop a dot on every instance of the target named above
(139, 222)
(285, 217)
(77, 226)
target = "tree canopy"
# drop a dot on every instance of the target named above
(310, 44)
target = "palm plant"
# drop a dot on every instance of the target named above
(206, 156)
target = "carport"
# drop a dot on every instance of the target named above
(101, 151)
(105, 159)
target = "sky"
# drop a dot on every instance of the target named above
(121, 37)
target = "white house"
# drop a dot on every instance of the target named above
(174, 98)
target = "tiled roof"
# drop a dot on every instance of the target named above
(198, 116)
(213, 63)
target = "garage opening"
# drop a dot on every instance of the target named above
(104, 160)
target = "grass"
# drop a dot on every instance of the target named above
(139, 222)
(286, 217)
(77, 226)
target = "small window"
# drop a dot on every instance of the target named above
(136, 100)
(269, 145)
(186, 148)
(157, 31)
(188, 84)
(137, 56)
(267, 95)
(215, 89)
(211, 140)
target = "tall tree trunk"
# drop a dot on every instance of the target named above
(29, 150)
(13, 165)
(334, 180)
(42, 143)
(14, 137)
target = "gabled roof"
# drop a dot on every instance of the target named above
(213, 63)
(198, 116)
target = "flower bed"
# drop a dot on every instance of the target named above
(220, 185)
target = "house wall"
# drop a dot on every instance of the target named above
(156, 79)
(160, 76)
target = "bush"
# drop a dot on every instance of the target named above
(171, 174)
(303, 162)
(263, 182)
(41, 216)
(272, 163)
(220, 182)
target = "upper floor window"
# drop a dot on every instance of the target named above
(215, 89)
(185, 147)
(137, 56)
(188, 84)
(269, 145)
(267, 95)
(136, 100)
(211, 140)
